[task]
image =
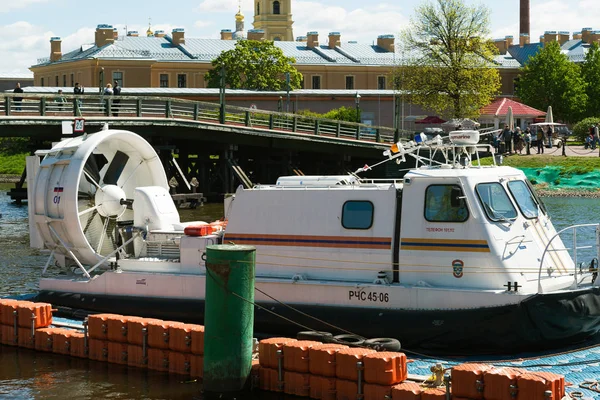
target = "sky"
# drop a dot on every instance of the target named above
(26, 26)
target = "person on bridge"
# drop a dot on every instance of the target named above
(60, 99)
(78, 90)
(107, 92)
(18, 100)
(116, 102)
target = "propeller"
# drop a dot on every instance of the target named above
(116, 167)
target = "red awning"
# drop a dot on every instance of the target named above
(432, 119)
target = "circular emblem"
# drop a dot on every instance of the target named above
(457, 268)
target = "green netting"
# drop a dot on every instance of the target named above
(563, 178)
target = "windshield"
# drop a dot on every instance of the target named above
(524, 199)
(496, 202)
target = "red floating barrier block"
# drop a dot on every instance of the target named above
(43, 339)
(135, 356)
(269, 380)
(377, 392)
(78, 348)
(158, 360)
(501, 383)
(322, 387)
(117, 353)
(197, 338)
(434, 394)
(25, 337)
(385, 368)
(38, 314)
(532, 385)
(346, 390)
(321, 358)
(180, 338)
(296, 383)
(295, 355)
(406, 391)
(7, 311)
(467, 380)
(61, 341)
(345, 362)
(117, 328)
(158, 333)
(179, 363)
(98, 326)
(267, 350)
(135, 329)
(196, 366)
(98, 350)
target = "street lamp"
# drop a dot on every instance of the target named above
(357, 100)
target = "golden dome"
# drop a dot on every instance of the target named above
(149, 32)
(239, 16)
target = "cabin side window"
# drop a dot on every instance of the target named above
(495, 202)
(357, 214)
(524, 199)
(445, 203)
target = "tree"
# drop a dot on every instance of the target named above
(590, 70)
(254, 65)
(549, 78)
(450, 67)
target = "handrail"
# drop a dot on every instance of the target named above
(42, 104)
(575, 248)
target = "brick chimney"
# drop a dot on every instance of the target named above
(226, 34)
(549, 36)
(334, 40)
(595, 37)
(586, 34)
(500, 45)
(576, 35)
(159, 33)
(312, 39)
(55, 49)
(386, 42)
(542, 39)
(115, 34)
(133, 33)
(104, 35)
(523, 39)
(301, 39)
(524, 17)
(178, 36)
(563, 37)
(256, 34)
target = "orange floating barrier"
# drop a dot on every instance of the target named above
(269, 380)
(135, 329)
(321, 358)
(180, 338)
(117, 353)
(434, 394)
(43, 339)
(501, 383)
(37, 314)
(295, 355)
(197, 338)
(406, 391)
(267, 350)
(158, 333)
(61, 341)
(377, 392)
(158, 359)
(532, 385)
(7, 335)
(78, 348)
(179, 363)
(345, 390)
(196, 366)
(385, 368)
(322, 387)
(98, 326)
(98, 350)
(296, 383)
(345, 362)
(7, 311)
(467, 380)
(117, 328)
(25, 338)
(135, 356)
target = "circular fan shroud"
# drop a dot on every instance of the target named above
(65, 209)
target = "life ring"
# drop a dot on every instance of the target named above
(349, 339)
(317, 336)
(383, 344)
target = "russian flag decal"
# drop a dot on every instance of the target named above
(58, 189)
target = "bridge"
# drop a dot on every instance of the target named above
(219, 145)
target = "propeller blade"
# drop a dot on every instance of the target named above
(91, 167)
(116, 167)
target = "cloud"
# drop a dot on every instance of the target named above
(225, 6)
(8, 5)
(22, 44)
(363, 24)
(203, 24)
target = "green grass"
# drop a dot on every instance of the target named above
(12, 164)
(577, 165)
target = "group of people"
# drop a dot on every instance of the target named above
(514, 141)
(593, 138)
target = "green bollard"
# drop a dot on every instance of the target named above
(228, 320)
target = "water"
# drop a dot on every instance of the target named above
(25, 374)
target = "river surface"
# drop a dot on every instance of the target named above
(26, 374)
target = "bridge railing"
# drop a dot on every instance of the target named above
(68, 105)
